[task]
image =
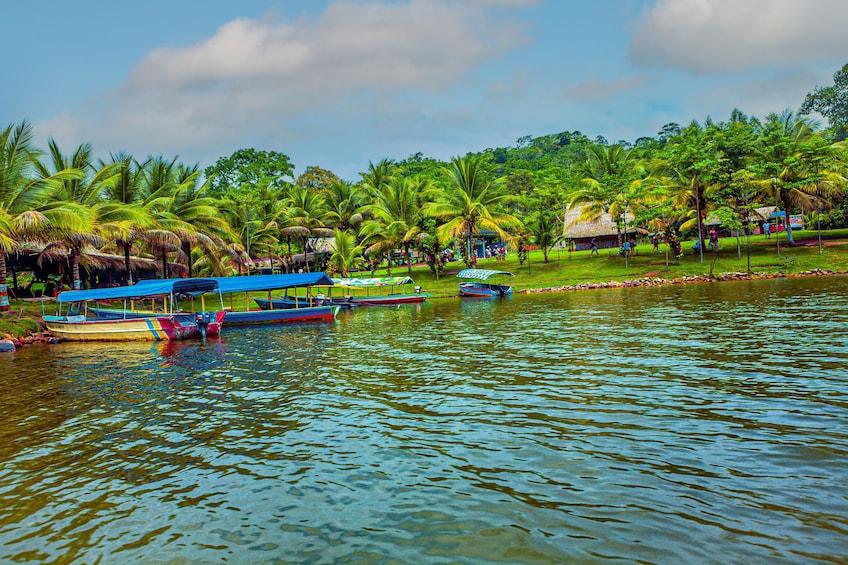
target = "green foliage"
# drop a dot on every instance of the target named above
(831, 102)
(316, 179)
(248, 167)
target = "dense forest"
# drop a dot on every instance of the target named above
(249, 204)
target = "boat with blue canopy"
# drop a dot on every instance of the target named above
(353, 292)
(476, 283)
(282, 309)
(380, 291)
(79, 316)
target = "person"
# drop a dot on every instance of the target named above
(766, 229)
(714, 239)
(655, 242)
(593, 246)
(632, 246)
(625, 249)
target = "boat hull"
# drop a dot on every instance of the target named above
(288, 302)
(282, 315)
(150, 328)
(389, 299)
(484, 290)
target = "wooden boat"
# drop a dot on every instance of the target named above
(478, 285)
(271, 311)
(379, 291)
(80, 323)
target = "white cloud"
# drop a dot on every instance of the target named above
(715, 36)
(278, 80)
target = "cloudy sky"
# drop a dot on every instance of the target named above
(341, 83)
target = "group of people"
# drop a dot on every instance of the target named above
(712, 243)
(499, 253)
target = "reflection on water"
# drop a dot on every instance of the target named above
(698, 423)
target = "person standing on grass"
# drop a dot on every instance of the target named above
(593, 246)
(766, 229)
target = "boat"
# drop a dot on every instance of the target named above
(379, 291)
(353, 292)
(478, 285)
(286, 309)
(84, 320)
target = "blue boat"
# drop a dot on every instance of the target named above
(82, 320)
(304, 309)
(476, 284)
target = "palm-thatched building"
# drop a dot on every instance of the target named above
(604, 229)
(52, 271)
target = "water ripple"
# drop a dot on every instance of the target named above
(689, 424)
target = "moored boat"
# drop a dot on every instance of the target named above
(379, 291)
(84, 321)
(277, 310)
(476, 283)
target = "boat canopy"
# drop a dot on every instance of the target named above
(144, 289)
(271, 282)
(481, 274)
(385, 281)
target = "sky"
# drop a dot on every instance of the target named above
(339, 84)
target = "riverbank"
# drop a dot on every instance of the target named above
(658, 281)
(567, 271)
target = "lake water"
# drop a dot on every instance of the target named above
(682, 424)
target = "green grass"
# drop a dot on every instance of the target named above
(566, 268)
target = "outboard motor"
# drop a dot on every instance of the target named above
(203, 319)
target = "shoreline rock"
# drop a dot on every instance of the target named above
(685, 279)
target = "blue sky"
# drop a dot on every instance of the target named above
(339, 84)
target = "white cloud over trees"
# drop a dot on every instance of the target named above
(716, 36)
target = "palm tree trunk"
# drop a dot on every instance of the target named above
(75, 270)
(127, 264)
(305, 257)
(408, 258)
(788, 224)
(164, 263)
(187, 250)
(4, 291)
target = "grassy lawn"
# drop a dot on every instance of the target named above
(566, 268)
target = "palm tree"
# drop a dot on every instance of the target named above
(302, 216)
(546, 232)
(377, 176)
(396, 215)
(472, 202)
(23, 194)
(343, 202)
(346, 253)
(127, 191)
(791, 170)
(198, 221)
(605, 177)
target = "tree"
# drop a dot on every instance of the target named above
(396, 216)
(248, 167)
(545, 231)
(692, 165)
(303, 215)
(831, 102)
(604, 180)
(316, 179)
(346, 253)
(195, 217)
(790, 164)
(343, 201)
(23, 195)
(471, 202)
